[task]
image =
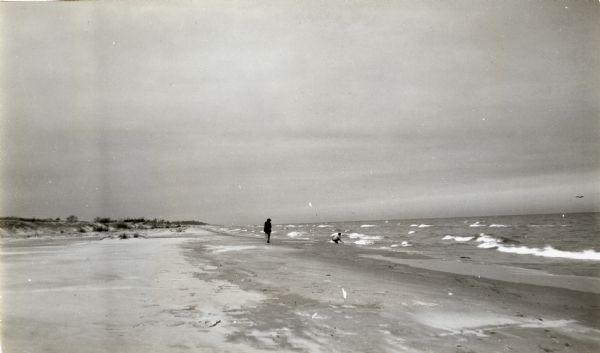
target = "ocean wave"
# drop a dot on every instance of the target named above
(489, 242)
(364, 239)
(403, 244)
(364, 242)
(549, 251)
(368, 226)
(476, 224)
(298, 235)
(324, 226)
(412, 232)
(498, 226)
(421, 225)
(363, 236)
(459, 239)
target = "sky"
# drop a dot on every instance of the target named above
(232, 112)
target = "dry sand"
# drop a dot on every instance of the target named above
(201, 291)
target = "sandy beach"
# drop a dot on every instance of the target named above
(205, 291)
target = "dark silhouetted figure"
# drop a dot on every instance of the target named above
(268, 229)
(337, 238)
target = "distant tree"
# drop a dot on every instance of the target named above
(104, 220)
(71, 219)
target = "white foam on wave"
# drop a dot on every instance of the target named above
(364, 239)
(299, 235)
(412, 232)
(549, 251)
(414, 225)
(498, 226)
(424, 225)
(488, 242)
(364, 242)
(476, 224)
(459, 239)
(363, 236)
(405, 244)
(368, 226)
(324, 226)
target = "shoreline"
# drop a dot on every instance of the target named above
(166, 292)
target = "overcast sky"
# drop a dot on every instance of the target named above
(299, 111)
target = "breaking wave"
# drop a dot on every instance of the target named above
(459, 239)
(489, 242)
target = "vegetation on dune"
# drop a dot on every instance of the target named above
(33, 226)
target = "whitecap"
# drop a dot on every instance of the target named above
(363, 236)
(459, 239)
(549, 251)
(424, 225)
(412, 232)
(296, 235)
(324, 226)
(498, 226)
(368, 226)
(364, 242)
(405, 244)
(414, 225)
(488, 242)
(476, 224)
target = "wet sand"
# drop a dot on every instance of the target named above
(202, 291)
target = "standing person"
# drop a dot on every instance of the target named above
(267, 229)
(336, 238)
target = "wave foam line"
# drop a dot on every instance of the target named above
(459, 239)
(488, 242)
